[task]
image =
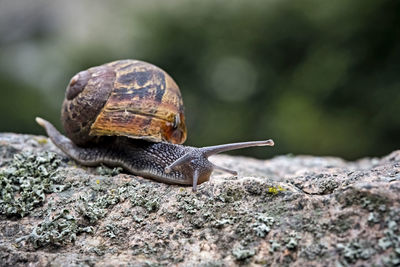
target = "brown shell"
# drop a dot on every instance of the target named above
(126, 98)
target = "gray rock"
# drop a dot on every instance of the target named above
(290, 210)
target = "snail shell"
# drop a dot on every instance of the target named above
(128, 98)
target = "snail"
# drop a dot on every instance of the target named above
(129, 113)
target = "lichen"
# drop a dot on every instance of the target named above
(241, 253)
(373, 218)
(274, 246)
(391, 239)
(291, 241)
(263, 225)
(42, 141)
(230, 195)
(275, 189)
(106, 171)
(93, 211)
(144, 195)
(93, 206)
(26, 181)
(388, 244)
(314, 251)
(111, 231)
(57, 230)
(355, 250)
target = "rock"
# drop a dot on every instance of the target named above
(290, 210)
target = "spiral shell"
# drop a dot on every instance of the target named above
(123, 98)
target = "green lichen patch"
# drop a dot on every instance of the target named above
(342, 224)
(274, 246)
(263, 225)
(106, 171)
(25, 182)
(391, 238)
(113, 230)
(241, 253)
(231, 194)
(385, 246)
(291, 241)
(41, 140)
(314, 251)
(92, 211)
(262, 188)
(366, 199)
(226, 214)
(275, 189)
(145, 196)
(57, 230)
(317, 183)
(355, 250)
(94, 205)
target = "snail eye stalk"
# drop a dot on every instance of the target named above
(208, 151)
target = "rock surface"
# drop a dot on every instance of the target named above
(290, 210)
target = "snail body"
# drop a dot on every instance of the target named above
(129, 113)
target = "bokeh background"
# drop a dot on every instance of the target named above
(319, 77)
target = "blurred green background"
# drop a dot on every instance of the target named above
(319, 77)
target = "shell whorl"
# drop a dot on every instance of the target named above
(83, 102)
(123, 98)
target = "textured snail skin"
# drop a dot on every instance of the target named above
(139, 157)
(163, 162)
